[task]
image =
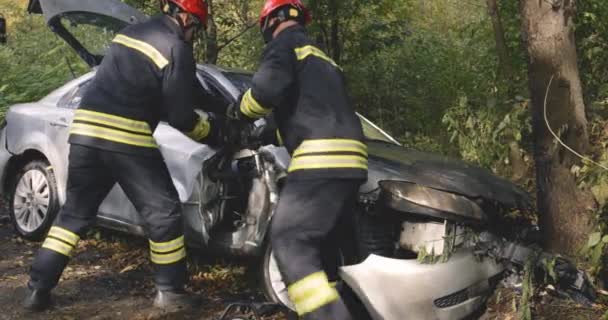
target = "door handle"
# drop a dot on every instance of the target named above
(59, 124)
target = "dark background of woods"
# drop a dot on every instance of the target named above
(465, 78)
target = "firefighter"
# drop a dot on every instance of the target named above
(305, 91)
(148, 75)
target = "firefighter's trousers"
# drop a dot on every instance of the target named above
(307, 211)
(146, 181)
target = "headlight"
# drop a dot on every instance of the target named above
(408, 197)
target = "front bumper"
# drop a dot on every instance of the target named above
(394, 289)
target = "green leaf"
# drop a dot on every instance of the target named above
(605, 239)
(594, 239)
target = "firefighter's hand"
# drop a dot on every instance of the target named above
(236, 133)
(264, 134)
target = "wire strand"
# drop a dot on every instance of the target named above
(557, 137)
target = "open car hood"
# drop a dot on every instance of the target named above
(393, 162)
(64, 17)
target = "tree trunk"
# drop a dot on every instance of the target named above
(336, 51)
(548, 31)
(504, 63)
(212, 52)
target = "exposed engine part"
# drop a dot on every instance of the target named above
(261, 204)
(210, 205)
(432, 237)
(375, 234)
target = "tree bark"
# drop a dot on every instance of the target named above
(211, 46)
(504, 63)
(336, 51)
(548, 31)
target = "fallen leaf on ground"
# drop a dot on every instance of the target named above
(129, 268)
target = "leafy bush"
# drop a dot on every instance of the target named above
(34, 61)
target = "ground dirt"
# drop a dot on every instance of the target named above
(110, 278)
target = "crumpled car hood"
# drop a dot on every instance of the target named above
(392, 162)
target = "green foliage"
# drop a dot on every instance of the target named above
(482, 135)
(34, 61)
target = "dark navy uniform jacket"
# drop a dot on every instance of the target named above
(148, 75)
(305, 90)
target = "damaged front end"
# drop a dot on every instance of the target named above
(447, 255)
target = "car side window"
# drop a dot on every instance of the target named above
(71, 100)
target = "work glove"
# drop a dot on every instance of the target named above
(265, 133)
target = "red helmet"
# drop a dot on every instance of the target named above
(198, 8)
(271, 5)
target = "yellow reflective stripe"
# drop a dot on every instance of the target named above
(168, 258)
(251, 108)
(328, 162)
(58, 246)
(112, 120)
(64, 234)
(162, 247)
(303, 53)
(331, 145)
(279, 138)
(113, 135)
(144, 48)
(201, 130)
(312, 293)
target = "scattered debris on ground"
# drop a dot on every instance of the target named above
(110, 278)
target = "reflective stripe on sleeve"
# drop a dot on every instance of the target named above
(144, 48)
(201, 130)
(251, 108)
(312, 292)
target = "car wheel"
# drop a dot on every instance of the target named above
(271, 280)
(33, 202)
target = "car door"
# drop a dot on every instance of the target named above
(88, 26)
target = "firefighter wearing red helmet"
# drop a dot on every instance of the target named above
(148, 75)
(305, 91)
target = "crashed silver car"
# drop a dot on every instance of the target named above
(420, 244)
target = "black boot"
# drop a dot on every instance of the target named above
(36, 299)
(174, 300)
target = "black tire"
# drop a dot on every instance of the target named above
(34, 167)
(337, 251)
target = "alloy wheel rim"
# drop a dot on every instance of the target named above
(277, 284)
(31, 201)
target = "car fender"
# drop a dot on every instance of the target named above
(36, 138)
(38, 142)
